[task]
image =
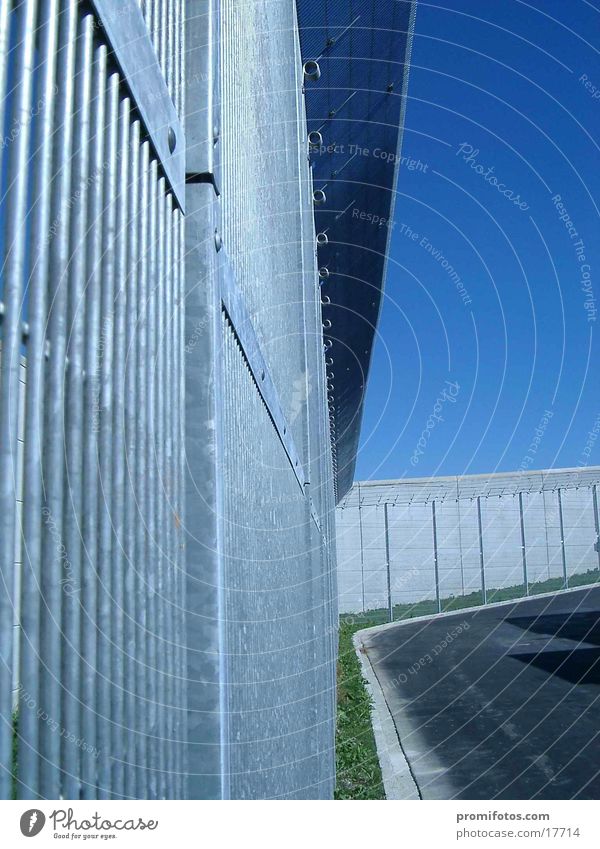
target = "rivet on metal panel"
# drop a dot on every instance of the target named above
(322, 239)
(327, 324)
(324, 272)
(315, 140)
(312, 70)
(319, 196)
(172, 140)
(325, 300)
(218, 240)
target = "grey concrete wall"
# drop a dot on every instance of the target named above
(361, 543)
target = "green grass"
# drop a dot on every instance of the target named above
(358, 771)
(429, 607)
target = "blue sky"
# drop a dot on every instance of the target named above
(487, 350)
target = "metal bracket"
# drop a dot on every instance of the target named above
(128, 38)
(313, 514)
(202, 119)
(235, 307)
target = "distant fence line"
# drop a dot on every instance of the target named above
(407, 542)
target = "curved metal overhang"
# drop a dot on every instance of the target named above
(357, 107)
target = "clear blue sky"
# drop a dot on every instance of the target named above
(495, 293)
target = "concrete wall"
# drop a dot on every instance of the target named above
(510, 505)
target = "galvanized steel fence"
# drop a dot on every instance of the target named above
(91, 639)
(167, 597)
(264, 719)
(446, 543)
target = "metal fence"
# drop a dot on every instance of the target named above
(429, 545)
(167, 605)
(91, 677)
(265, 724)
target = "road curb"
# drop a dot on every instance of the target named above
(398, 780)
(385, 626)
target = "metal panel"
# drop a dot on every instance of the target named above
(277, 567)
(203, 91)
(127, 35)
(237, 313)
(357, 106)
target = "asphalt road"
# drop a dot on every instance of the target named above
(500, 702)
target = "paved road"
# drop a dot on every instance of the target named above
(500, 702)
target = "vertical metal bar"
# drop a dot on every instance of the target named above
(562, 541)
(91, 682)
(175, 602)
(73, 492)
(178, 455)
(14, 270)
(131, 365)
(162, 35)
(118, 745)
(151, 336)
(160, 464)
(106, 650)
(179, 49)
(481, 557)
(170, 385)
(387, 563)
(149, 17)
(142, 549)
(362, 553)
(53, 453)
(183, 794)
(178, 449)
(170, 64)
(5, 10)
(523, 547)
(460, 543)
(28, 750)
(596, 522)
(435, 559)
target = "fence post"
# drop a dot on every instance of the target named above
(362, 555)
(596, 522)
(387, 563)
(435, 559)
(481, 559)
(562, 541)
(523, 550)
